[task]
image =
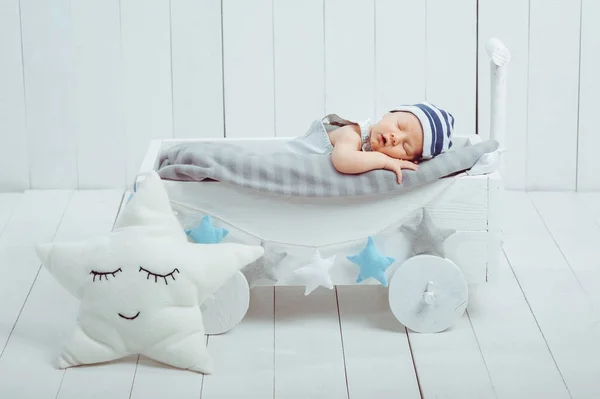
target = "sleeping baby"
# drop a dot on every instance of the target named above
(398, 141)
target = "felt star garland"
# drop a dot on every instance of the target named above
(425, 238)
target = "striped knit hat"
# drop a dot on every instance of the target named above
(437, 127)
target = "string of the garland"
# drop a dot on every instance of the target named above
(391, 226)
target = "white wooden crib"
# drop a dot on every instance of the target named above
(426, 293)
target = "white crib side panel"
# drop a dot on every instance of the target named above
(147, 77)
(451, 59)
(553, 94)
(349, 58)
(151, 159)
(588, 162)
(507, 20)
(400, 53)
(14, 163)
(324, 222)
(98, 121)
(248, 68)
(495, 234)
(463, 206)
(299, 65)
(47, 68)
(197, 68)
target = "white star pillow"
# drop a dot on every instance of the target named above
(141, 285)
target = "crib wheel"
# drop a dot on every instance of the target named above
(226, 307)
(428, 294)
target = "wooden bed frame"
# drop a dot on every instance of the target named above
(471, 205)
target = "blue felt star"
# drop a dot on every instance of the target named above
(206, 233)
(372, 263)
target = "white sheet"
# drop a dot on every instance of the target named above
(299, 220)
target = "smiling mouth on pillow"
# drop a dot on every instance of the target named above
(130, 318)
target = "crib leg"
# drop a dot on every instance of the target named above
(428, 294)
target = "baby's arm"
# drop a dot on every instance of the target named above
(346, 159)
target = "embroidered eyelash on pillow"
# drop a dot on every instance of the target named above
(142, 284)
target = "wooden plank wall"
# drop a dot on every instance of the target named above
(84, 86)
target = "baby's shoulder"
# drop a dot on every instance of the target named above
(348, 134)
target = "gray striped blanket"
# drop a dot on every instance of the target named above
(295, 174)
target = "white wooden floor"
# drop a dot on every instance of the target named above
(535, 333)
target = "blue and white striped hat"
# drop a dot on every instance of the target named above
(437, 124)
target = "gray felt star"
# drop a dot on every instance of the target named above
(426, 237)
(262, 268)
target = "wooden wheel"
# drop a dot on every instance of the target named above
(428, 294)
(227, 306)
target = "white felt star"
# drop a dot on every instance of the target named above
(316, 272)
(426, 238)
(141, 285)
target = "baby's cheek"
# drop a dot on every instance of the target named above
(394, 152)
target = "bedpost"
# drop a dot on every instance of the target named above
(499, 59)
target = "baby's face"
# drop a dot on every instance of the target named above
(398, 135)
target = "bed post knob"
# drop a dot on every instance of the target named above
(429, 294)
(498, 52)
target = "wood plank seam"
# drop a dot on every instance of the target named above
(202, 382)
(477, 68)
(137, 362)
(337, 301)
(171, 63)
(487, 220)
(24, 93)
(62, 378)
(412, 355)
(223, 73)
(21, 309)
(587, 294)
(374, 62)
(324, 61)
(274, 70)
(487, 369)
(536, 322)
(274, 324)
(578, 101)
(12, 212)
(527, 100)
(34, 280)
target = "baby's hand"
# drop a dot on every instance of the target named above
(396, 166)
